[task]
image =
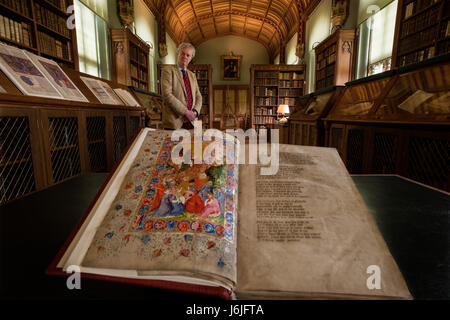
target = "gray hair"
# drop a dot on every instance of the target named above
(186, 45)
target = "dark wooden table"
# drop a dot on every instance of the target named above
(414, 220)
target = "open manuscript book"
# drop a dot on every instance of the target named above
(225, 228)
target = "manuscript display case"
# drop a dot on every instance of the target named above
(46, 141)
(306, 123)
(396, 123)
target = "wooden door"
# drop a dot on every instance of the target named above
(231, 107)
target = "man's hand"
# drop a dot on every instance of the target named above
(190, 115)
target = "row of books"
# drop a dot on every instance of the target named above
(138, 73)
(266, 74)
(265, 111)
(328, 71)
(201, 74)
(291, 76)
(20, 6)
(443, 47)
(291, 83)
(419, 22)
(264, 120)
(287, 100)
(202, 83)
(54, 47)
(51, 20)
(328, 51)
(290, 92)
(265, 91)
(419, 38)
(445, 30)
(325, 83)
(266, 81)
(325, 61)
(417, 56)
(416, 6)
(60, 4)
(15, 31)
(203, 90)
(138, 55)
(273, 101)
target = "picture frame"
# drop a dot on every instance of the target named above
(231, 67)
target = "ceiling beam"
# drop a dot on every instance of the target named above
(214, 20)
(265, 16)
(183, 28)
(195, 15)
(237, 13)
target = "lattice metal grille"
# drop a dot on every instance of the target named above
(355, 150)
(16, 165)
(120, 136)
(64, 149)
(312, 135)
(304, 134)
(297, 133)
(336, 138)
(134, 125)
(385, 146)
(429, 161)
(97, 143)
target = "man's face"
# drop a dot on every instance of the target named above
(184, 57)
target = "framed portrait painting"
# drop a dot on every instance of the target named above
(231, 67)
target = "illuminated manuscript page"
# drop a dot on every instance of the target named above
(306, 232)
(159, 221)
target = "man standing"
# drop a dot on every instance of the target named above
(180, 91)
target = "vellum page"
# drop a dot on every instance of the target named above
(306, 232)
(168, 220)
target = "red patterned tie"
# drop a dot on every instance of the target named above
(188, 89)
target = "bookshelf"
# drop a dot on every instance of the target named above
(203, 72)
(334, 59)
(270, 86)
(40, 26)
(422, 31)
(130, 59)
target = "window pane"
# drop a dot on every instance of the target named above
(86, 39)
(103, 48)
(382, 37)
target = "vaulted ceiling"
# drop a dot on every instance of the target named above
(272, 23)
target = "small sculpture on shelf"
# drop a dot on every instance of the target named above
(126, 13)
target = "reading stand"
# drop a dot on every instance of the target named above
(412, 218)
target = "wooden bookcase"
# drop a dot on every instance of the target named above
(422, 31)
(203, 72)
(334, 59)
(40, 26)
(130, 59)
(271, 85)
(47, 141)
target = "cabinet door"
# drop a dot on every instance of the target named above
(61, 134)
(21, 164)
(135, 123)
(96, 141)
